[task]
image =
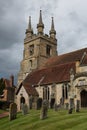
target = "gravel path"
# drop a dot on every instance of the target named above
(4, 114)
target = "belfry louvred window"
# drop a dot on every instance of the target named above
(48, 50)
(31, 49)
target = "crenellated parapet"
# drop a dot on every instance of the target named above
(36, 36)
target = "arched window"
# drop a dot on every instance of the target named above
(83, 95)
(48, 50)
(22, 100)
(48, 93)
(43, 93)
(31, 49)
(66, 93)
(30, 63)
(63, 92)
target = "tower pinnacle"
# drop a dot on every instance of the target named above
(29, 31)
(29, 25)
(40, 25)
(52, 31)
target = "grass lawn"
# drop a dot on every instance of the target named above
(59, 120)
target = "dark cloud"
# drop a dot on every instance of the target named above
(11, 24)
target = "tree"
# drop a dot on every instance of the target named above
(2, 86)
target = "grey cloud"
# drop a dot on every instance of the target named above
(11, 24)
(70, 23)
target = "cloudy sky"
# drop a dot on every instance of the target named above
(70, 18)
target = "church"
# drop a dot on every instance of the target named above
(46, 75)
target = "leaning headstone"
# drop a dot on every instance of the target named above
(55, 107)
(77, 105)
(12, 111)
(24, 108)
(66, 106)
(44, 110)
(70, 111)
(71, 105)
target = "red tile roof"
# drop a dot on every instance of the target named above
(50, 75)
(65, 58)
(29, 89)
(56, 70)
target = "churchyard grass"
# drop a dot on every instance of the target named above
(57, 120)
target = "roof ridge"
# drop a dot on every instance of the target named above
(68, 53)
(73, 51)
(65, 58)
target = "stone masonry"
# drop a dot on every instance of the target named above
(37, 48)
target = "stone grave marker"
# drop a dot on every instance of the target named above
(44, 109)
(24, 108)
(77, 105)
(71, 106)
(55, 107)
(12, 111)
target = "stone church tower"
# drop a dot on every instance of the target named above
(37, 48)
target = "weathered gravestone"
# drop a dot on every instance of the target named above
(24, 108)
(55, 107)
(44, 109)
(77, 105)
(71, 106)
(12, 111)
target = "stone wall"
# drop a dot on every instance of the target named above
(39, 56)
(58, 93)
(23, 93)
